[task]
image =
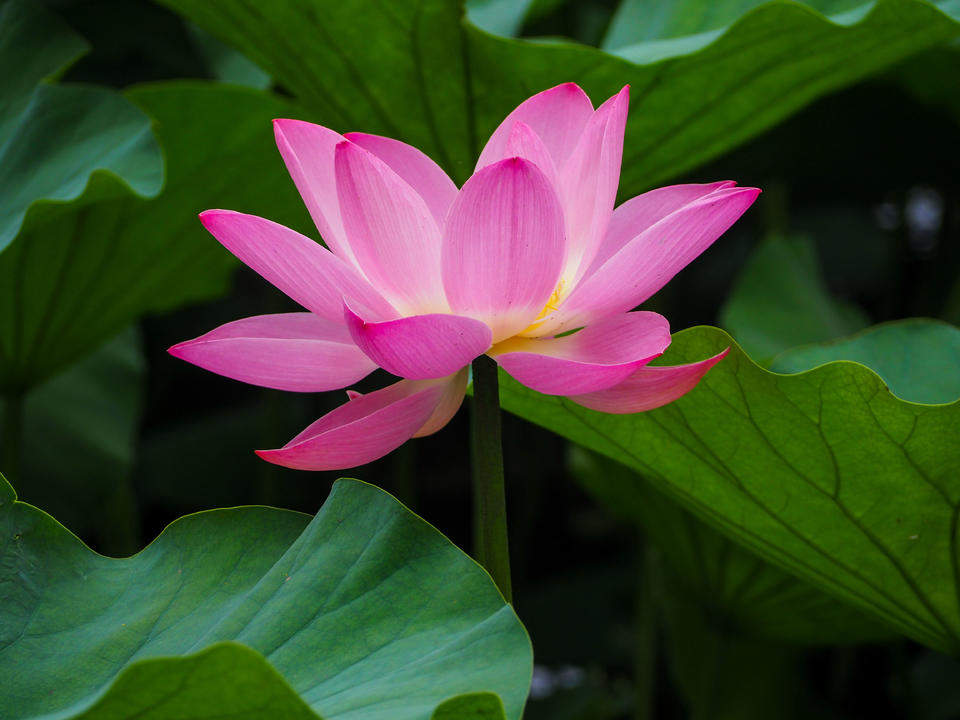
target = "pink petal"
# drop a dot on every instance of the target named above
(289, 351)
(649, 387)
(503, 246)
(413, 166)
(307, 151)
(450, 402)
(363, 429)
(597, 357)
(523, 142)
(392, 234)
(303, 269)
(647, 262)
(588, 183)
(642, 211)
(421, 346)
(557, 116)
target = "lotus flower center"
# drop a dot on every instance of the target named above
(553, 302)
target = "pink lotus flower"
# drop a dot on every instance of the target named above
(421, 278)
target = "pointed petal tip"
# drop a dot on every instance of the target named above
(280, 123)
(268, 455)
(515, 163)
(277, 456)
(567, 92)
(650, 387)
(571, 87)
(210, 217)
(732, 190)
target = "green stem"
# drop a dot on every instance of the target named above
(489, 497)
(12, 431)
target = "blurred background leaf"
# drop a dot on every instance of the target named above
(54, 137)
(742, 593)
(780, 300)
(917, 359)
(78, 272)
(80, 431)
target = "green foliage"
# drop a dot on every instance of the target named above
(917, 359)
(472, 706)
(229, 65)
(726, 676)
(732, 623)
(738, 590)
(79, 272)
(53, 138)
(419, 73)
(80, 431)
(780, 301)
(824, 473)
(365, 611)
(500, 17)
(645, 20)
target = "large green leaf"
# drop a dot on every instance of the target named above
(780, 301)
(741, 592)
(79, 272)
(825, 473)
(54, 137)
(918, 359)
(365, 612)
(417, 71)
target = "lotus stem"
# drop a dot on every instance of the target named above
(491, 547)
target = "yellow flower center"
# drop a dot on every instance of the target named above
(553, 302)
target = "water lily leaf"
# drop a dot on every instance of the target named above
(736, 588)
(53, 138)
(918, 359)
(441, 84)
(79, 272)
(364, 612)
(780, 301)
(824, 473)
